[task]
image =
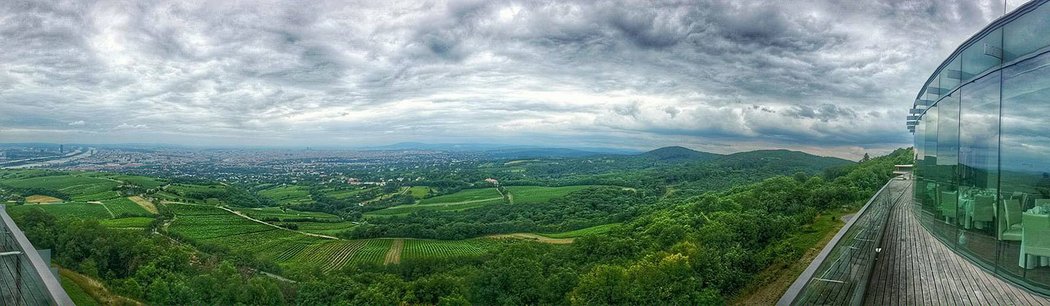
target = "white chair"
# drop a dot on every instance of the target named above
(1010, 220)
(949, 205)
(1035, 238)
(983, 208)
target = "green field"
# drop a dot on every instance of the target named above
(142, 181)
(187, 190)
(200, 222)
(123, 207)
(133, 222)
(109, 194)
(325, 228)
(464, 196)
(406, 209)
(344, 193)
(75, 209)
(594, 230)
(268, 213)
(419, 192)
(288, 195)
(540, 194)
(72, 185)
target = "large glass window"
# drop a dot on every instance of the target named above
(950, 76)
(1025, 167)
(947, 164)
(979, 166)
(983, 55)
(928, 189)
(1027, 34)
(982, 176)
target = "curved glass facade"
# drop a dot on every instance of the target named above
(982, 143)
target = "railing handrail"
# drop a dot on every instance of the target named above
(42, 269)
(807, 275)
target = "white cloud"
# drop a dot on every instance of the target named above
(781, 74)
(125, 126)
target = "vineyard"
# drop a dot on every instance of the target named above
(133, 222)
(373, 251)
(425, 249)
(346, 193)
(77, 210)
(407, 209)
(72, 185)
(276, 213)
(200, 222)
(109, 194)
(125, 207)
(464, 196)
(325, 228)
(208, 224)
(141, 181)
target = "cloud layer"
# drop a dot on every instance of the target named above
(832, 77)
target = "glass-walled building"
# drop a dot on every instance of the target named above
(982, 143)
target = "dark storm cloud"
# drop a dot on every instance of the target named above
(825, 76)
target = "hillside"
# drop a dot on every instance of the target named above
(676, 153)
(780, 161)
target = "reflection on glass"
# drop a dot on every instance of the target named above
(1025, 173)
(982, 165)
(945, 170)
(1027, 34)
(979, 166)
(927, 187)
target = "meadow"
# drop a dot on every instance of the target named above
(540, 194)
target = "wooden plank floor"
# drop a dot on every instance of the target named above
(914, 268)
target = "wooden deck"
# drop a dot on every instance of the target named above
(914, 268)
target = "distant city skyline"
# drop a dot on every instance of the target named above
(827, 77)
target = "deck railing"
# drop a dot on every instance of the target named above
(25, 278)
(839, 274)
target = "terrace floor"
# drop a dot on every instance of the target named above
(915, 268)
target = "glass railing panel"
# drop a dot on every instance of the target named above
(840, 274)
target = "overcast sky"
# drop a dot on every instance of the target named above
(827, 77)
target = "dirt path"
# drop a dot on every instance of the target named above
(393, 256)
(274, 225)
(533, 237)
(111, 215)
(506, 196)
(146, 204)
